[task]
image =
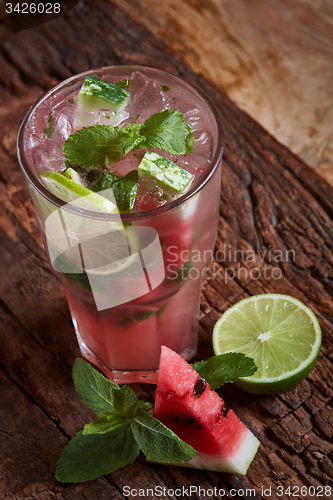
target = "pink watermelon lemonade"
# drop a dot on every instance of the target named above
(154, 299)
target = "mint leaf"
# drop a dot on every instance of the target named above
(123, 84)
(107, 422)
(94, 146)
(94, 389)
(50, 129)
(158, 442)
(228, 367)
(130, 138)
(169, 131)
(88, 457)
(81, 279)
(124, 401)
(124, 188)
(136, 317)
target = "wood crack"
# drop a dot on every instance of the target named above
(55, 421)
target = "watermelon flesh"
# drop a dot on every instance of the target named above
(185, 403)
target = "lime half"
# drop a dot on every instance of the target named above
(279, 332)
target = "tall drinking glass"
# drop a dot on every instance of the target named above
(124, 312)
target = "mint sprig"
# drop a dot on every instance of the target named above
(223, 368)
(101, 145)
(115, 439)
(125, 424)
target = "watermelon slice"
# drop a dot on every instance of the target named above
(185, 404)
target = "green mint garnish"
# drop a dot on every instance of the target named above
(50, 129)
(115, 439)
(71, 100)
(165, 88)
(123, 84)
(106, 423)
(94, 146)
(228, 367)
(101, 145)
(136, 317)
(94, 389)
(88, 457)
(124, 188)
(168, 130)
(158, 442)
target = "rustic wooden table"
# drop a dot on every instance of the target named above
(270, 201)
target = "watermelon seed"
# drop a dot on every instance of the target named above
(224, 411)
(189, 420)
(199, 426)
(199, 387)
(176, 419)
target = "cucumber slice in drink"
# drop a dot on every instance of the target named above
(279, 332)
(98, 94)
(171, 177)
(69, 191)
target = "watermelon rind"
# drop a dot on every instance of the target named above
(237, 464)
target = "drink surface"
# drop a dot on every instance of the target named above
(54, 120)
(125, 340)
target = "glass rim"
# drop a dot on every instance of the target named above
(41, 189)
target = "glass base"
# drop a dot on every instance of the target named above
(130, 377)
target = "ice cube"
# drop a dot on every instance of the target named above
(114, 118)
(128, 163)
(149, 99)
(84, 119)
(63, 127)
(39, 121)
(48, 155)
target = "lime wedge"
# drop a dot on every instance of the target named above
(71, 174)
(68, 190)
(279, 332)
(102, 247)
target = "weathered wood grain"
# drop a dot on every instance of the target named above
(273, 58)
(270, 202)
